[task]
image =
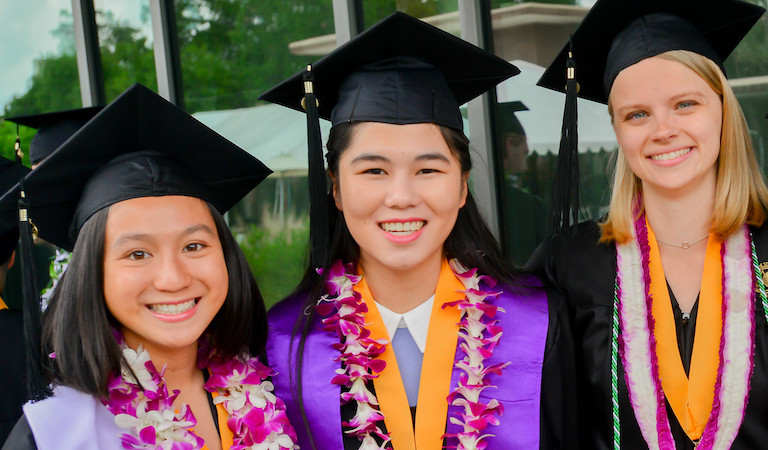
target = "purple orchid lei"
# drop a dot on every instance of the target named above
(343, 309)
(144, 407)
(480, 333)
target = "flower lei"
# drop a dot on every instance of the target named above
(143, 406)
(631, 314)
(479, 333)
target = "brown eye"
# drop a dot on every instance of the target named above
(194, 247)
(138, 255)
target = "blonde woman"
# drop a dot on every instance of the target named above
(666, 293)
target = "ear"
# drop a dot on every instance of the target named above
(335, 190)
(464, 189)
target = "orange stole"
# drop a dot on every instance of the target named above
(2, 304)
(690, 398)
(227, 437)
(436, 370)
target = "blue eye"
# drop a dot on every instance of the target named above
(686, 104)
(636, 115)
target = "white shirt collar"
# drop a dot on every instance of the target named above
(416, 320)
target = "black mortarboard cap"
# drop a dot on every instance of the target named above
(139, 145)
(399, 71)
(10, 174)
(507, 119)
(617, 33)
(53, 129)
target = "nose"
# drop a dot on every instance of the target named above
(172, 275)
(401, 192)
(665, 128)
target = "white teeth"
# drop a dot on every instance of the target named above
(402, 227)
(171, 310)
(671, 155)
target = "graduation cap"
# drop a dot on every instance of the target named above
(53, 129)
(616, 34)
(507, 119)
(399, 71)
(10, 174)
(139, 145)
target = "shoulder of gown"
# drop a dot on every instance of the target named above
(21, 437)
(579, 267)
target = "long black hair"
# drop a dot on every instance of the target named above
(77, 325)
(470, 241)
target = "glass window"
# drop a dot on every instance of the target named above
(231, 52)
(39, 63)
(440, 13)
(125, 40)
(528, 124)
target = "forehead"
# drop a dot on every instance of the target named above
(157, 214)
(396, 141)
(656, 78)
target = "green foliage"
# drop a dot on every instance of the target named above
(277, 260)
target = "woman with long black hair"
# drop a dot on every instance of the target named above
(409, 329)
(153, 336)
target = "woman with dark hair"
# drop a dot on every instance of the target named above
(409, 329)
(666, 292)
(155, 331)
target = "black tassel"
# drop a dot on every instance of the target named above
(566, 189)
(37, 387)
(319, 231)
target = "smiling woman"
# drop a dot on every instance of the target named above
(666, 291)
(416, 333)
(156, 328)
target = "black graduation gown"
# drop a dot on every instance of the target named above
(583, 271)
(13, 389)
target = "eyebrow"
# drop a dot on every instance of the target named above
(435, 156)
(144, 237)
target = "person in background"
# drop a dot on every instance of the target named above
(409, 329)
(53, 129)
(13, 389)
(667, 298)
(525, 215)
(154, 333)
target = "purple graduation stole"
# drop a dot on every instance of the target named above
(525, 324)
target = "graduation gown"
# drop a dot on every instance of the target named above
(538, 400)
(13, 379)
(583, 271)
(71, 419)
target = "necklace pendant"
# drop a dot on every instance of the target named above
(685, 244)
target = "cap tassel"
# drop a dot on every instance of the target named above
(17, 146)
(566, 189)
(319, 233)
(37, 387)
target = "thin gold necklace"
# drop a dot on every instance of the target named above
(685, 244)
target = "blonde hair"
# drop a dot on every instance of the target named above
(741, 195)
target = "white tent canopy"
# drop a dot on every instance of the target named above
(274, 134)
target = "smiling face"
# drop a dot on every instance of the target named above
(165, 277)
(400, 188)
(667, 121)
